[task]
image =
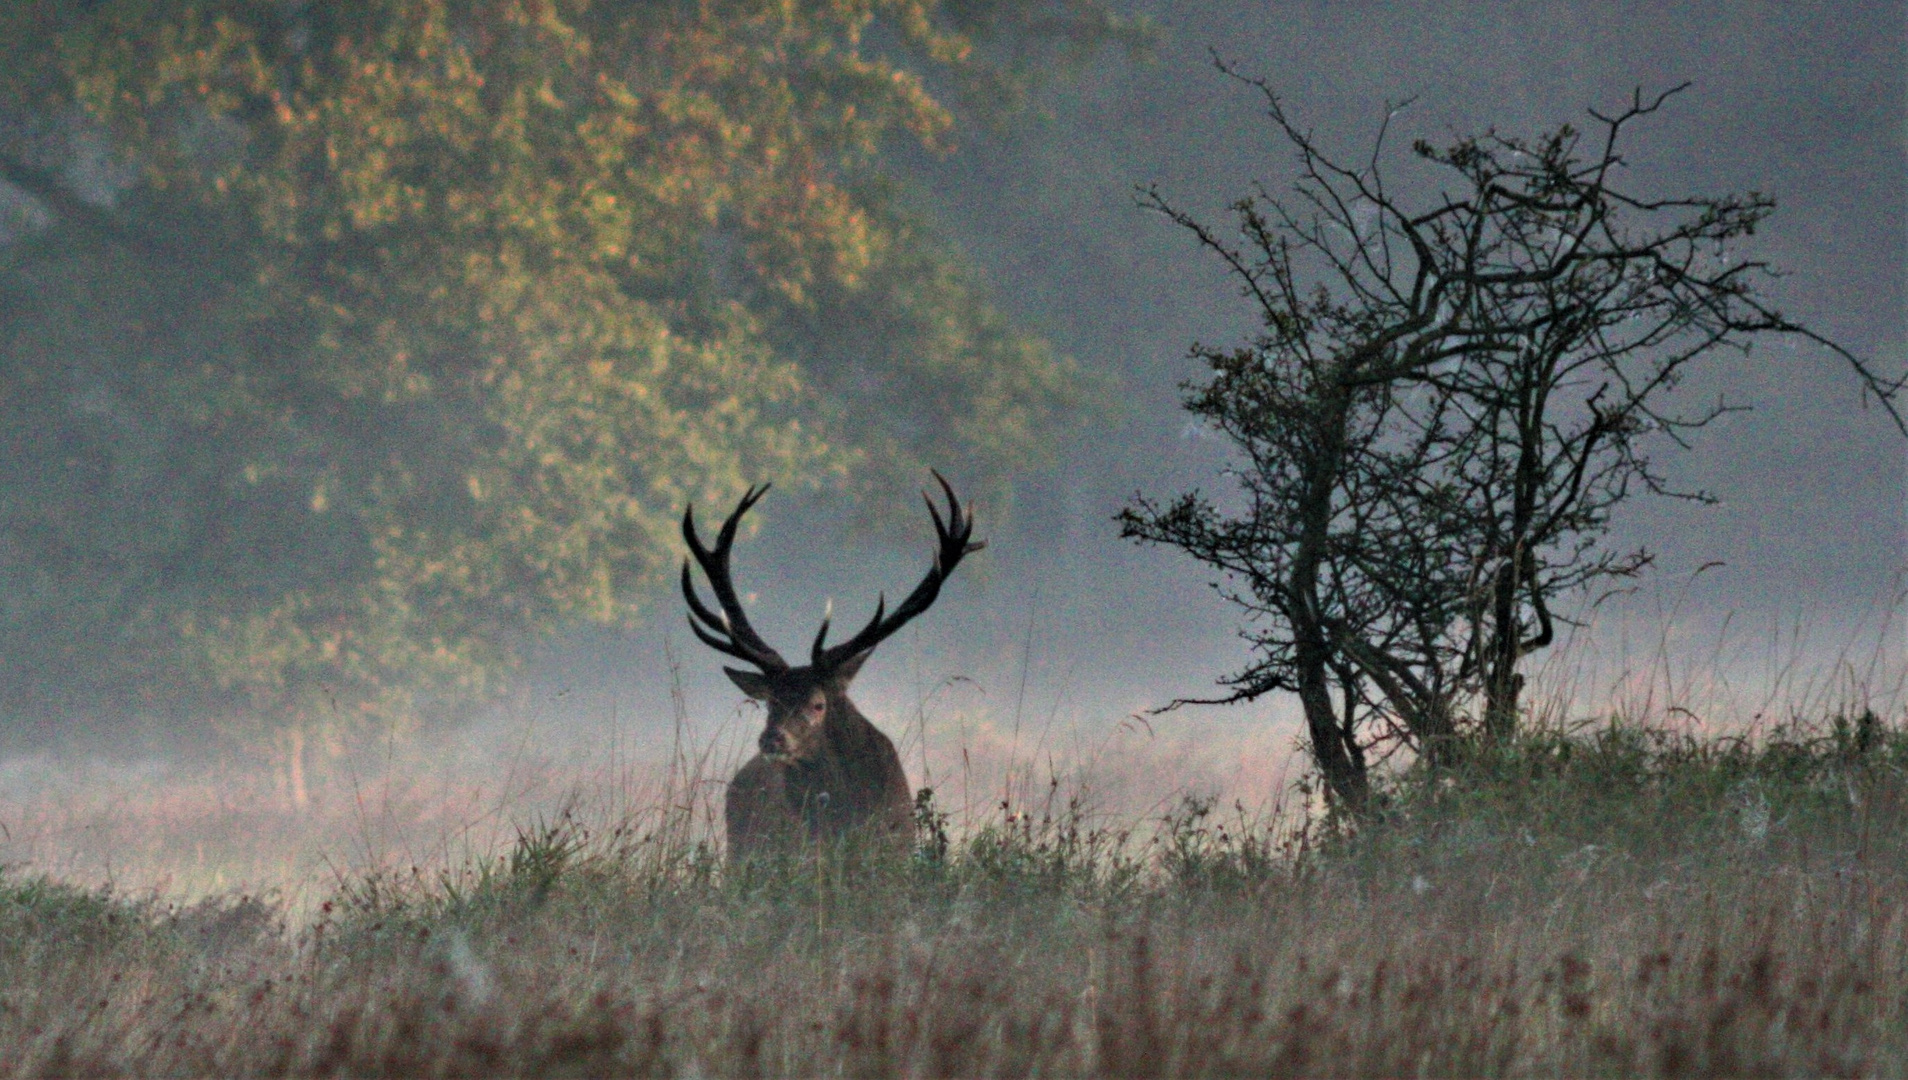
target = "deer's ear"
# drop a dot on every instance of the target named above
(849, 668)
(754, 684)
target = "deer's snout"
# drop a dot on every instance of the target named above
(776, 743)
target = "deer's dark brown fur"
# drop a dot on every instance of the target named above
(824, 772)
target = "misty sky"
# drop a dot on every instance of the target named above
(1804, 102)
(1059, 625)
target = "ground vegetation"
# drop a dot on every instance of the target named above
(1613, 900)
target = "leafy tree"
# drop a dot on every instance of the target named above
(1449, 398)
(349, 347)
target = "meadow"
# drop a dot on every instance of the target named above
(1616, 899)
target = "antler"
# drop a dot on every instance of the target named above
(730, 631)
(954, 536)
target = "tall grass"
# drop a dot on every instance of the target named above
(1611, 900)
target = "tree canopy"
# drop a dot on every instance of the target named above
(350, 347)
(1449, 397)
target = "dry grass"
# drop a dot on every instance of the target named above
(1617, 902)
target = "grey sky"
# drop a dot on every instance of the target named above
(1060, 625)
(1804, 102)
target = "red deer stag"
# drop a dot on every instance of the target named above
(824, 772)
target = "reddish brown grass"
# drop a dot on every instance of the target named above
(1627, 908)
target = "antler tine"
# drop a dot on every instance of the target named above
(820, 636)
(696, 608)
(818, 653)
(728, 632)
(721, 645)
(952, 535)
(715, 623)
(952, 500)
(958, 517)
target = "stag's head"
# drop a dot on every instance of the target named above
(800, 700)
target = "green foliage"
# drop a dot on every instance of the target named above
(1626, 792)
(1644, 805)
(40, 910)
(1203, 854)
(1051, 855)
(930, 823)
(349, 348)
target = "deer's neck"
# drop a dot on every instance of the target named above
(849, 733)
(849, 758)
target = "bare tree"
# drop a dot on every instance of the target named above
(1442, 409)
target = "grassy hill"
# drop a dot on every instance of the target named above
(1611, 901)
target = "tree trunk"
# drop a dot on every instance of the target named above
(1501, 682)
(1334, 746)
(1339, 761)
